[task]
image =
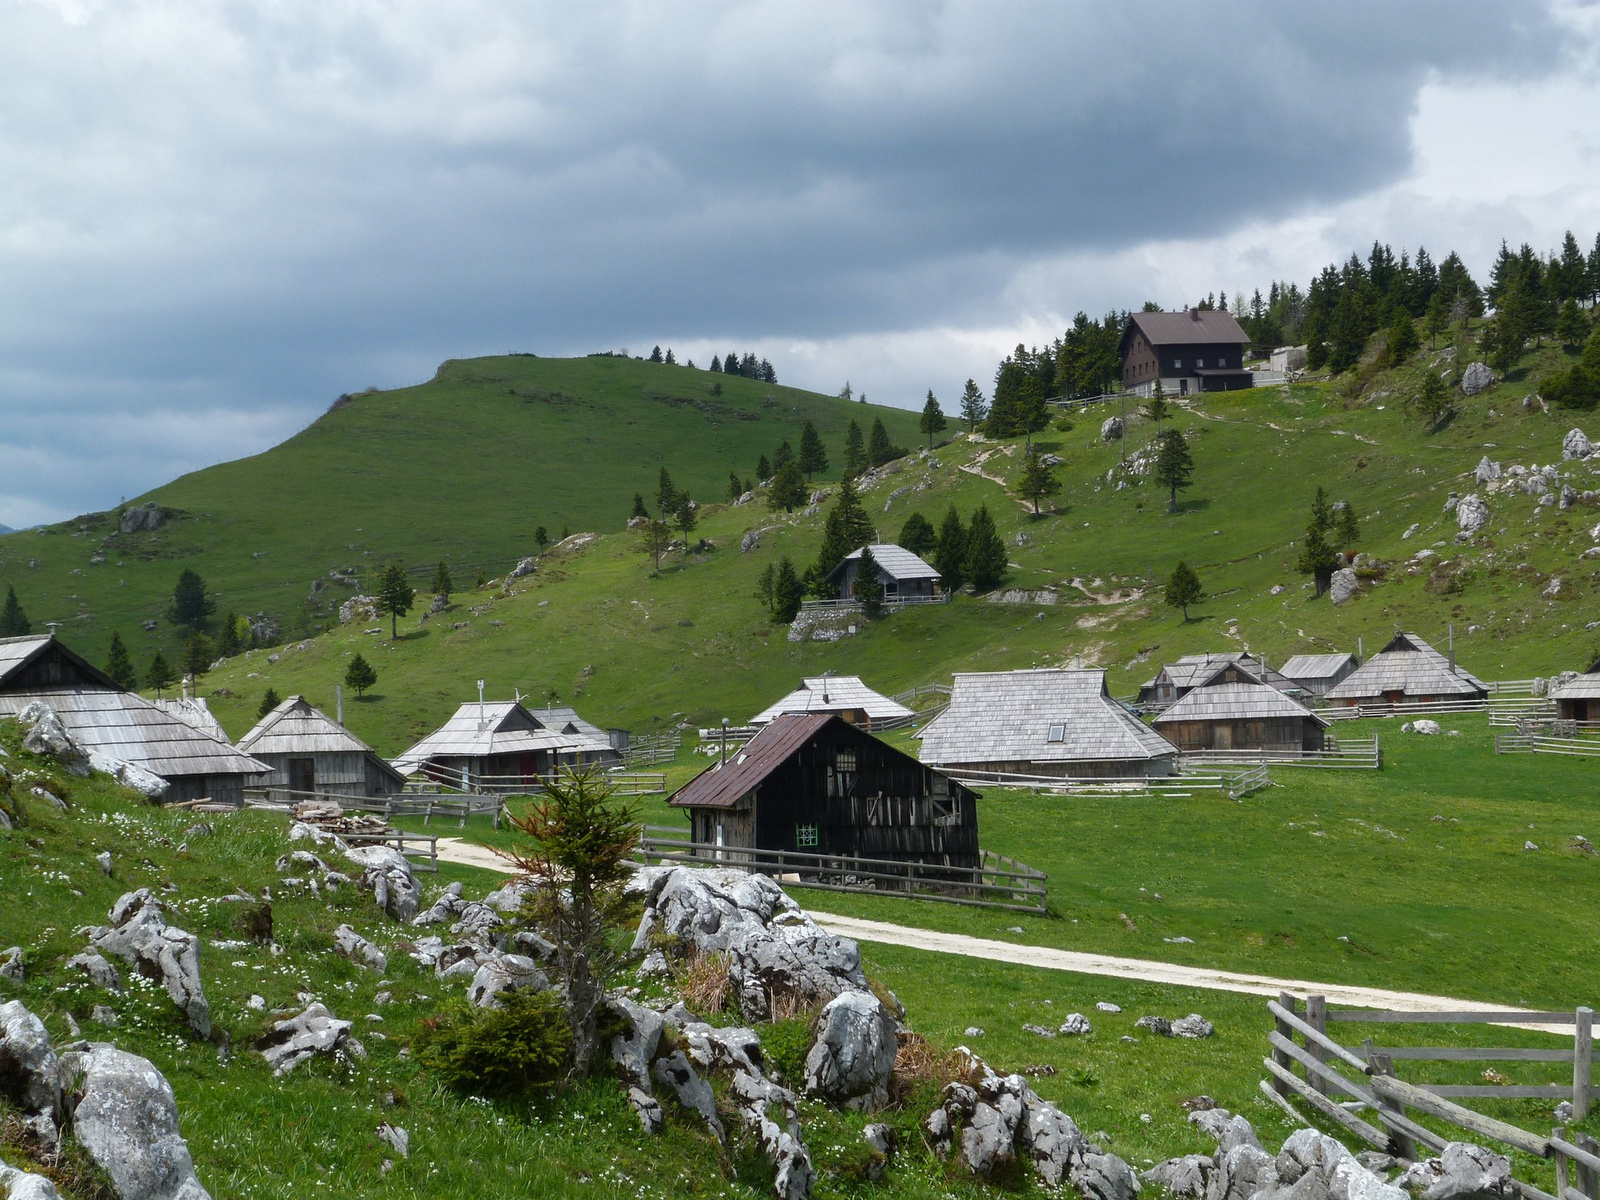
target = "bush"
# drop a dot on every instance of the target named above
(786, 1044)
(520, 1049)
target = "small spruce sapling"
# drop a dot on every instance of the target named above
(868, 587)
(442, 583)
(735, 487)
(985, 563)
(1184, 588)
(1038, 480)
(787, 592)
(1174, 465)
(932, 421)
(951, 552)
(974, 408)
(119, 666)
(639, 510)
(360, 675)
(13, 621)
(395, 596)
(269, 702)
(158, 675)
(918, 535)
(813, 456)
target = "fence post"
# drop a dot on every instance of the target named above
(1560, 1131)
(1582, 1057)
(1317, 1018)
(1588, 1179)
(1286, 1031)
(1400, 1144)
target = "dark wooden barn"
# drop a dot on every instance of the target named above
(819, 785)
(1200, 350)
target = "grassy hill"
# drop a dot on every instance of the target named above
(463, 468)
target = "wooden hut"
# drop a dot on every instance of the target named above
(843, 695)
(904, 576)
(1231, 709)
(1175, 679)
(1407, 671)
(500, 745)
(819, 785)
(119, 725)
(1318, 674)
(1577, 697)
(309, 751)
(1051, 722)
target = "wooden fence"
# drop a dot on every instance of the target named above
(415, 846)
(1509, 708)
(1366, 1075)
(999, 883)
(1342, 754)
(1177, 787)
(1534, 743)
(927, 700)
(652, 749)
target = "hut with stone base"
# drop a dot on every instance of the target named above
(1231, 709)
(309, 751)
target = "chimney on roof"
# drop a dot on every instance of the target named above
(1452, 649)
(1194, 314)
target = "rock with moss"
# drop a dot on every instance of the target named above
(140, 936)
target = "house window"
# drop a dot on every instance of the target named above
(1199, 362)
(805, 836)
(1177, 364)
(844, 760)
(1058, 733)
(947, 810)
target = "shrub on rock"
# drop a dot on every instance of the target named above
(518, 1049)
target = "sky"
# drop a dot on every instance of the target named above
(218, 215)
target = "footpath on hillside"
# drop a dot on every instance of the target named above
(455, 850)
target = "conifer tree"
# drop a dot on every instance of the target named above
(949, 556)
(1321, 511)
(855, 452)
(360, 675)
(1403, 341)
(666, 493)
(1033, 414)
(199, 652)
(974, 408)
(984, 565)
(228, 637)
(1433, 400)
(119, 666)
(787, 592)
(1318, 559)
(191, 607)
(1038, 481)
(813, 456)
(1184, 588)
(1174, 465)
(847, 527)
(788, 490)
(1437, 319)
(1571, 328)
(765, 585)
(395, 596)
(716, 364)
(655, 355)
(879, 449)
(735, 487)
(763, 469)
(684, 516)
(13, 621)
(1156, 409)
(868, 584)
(158, 675)
(782, 456)
(269, 702)
(639, 510)
(443, 585)
(1346, 526)
(670, 360)
(918, 535)
(933, 421)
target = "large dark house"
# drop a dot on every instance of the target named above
(1198, 350)
(816, 784)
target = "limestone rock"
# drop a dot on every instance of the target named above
(1213, 1121)
(140, 936)
(1187, 1176)
(852, 1060)
(1462, 1171)
(30, 1075)
(387, 873)
(447, 907)
(1576, 445)
(1075, 1025)
(1111, 429)
(1426, 727)
(141, 518)
(127, 1119)
(314, 1031)
(1240, 1173)
(25, 1185)
(692, 1092)
(1487, 471)
(1471, 513)
(396, 1138)
(11, 964)
(1476, 378)
(1344, 585)
(1103, 1177)
(769, 1112)
(881, 1140)
(358, 949)
(100, 972)
(634, 1050)
(504, 973)
(129, 775)
(524, 568)
(46, 735)
(1192, 1026)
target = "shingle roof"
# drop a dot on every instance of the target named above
(492, 728)
(722, 785)
(835, 693)
(1315, 666)
(1188, 671)
(1189, 327)
(1235, 702)
(1579, 687)
(896, 561)
(296, 727)
(1412, 667)
(18, 652)
(560, 718)
(1006, 716)
(193, 710)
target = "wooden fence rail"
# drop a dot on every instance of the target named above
(1347, 754)
(1230, 783)
(1511, 707)
(999, 882)
(1533, 743)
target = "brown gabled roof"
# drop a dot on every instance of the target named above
(723, 785)
(1187, 328)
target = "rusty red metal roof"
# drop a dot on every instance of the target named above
(723, 785)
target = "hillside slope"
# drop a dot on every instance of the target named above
(463, 468)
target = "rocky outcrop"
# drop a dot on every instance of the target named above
(692, 1092)
(25, 1185)
(388, 876)
(127, 1119)
(142, 518)
(1576, 445)
(130, 775)
(504, 973)
(30, 1075)
(852, 1061)
(1476, 378)
(1462, 1171)
(358, 949)
(1344, 585)
(100, 972)
(1487, 471)
(140, 936)
(1471, 513)
(1111, 429)
(768, 1111)
(524, 568)
(314, 1031)
(45, 734)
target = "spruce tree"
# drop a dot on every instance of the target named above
(13, 621)
(395, 596)
(684, 516)
(855, 451)
(1403, 342)
(443, 585)
(541, 535)
(1571, 327)
(1003, 421)
(787, 592)
(1437, 319)
(1033, 414)
(655, 355)
(666, 493)
(974, 408)
(879, 449)
(868, 584)
(1433, 400)
(1156, 409)
(847, 527)
(782, 456)
(788, 490)
(1174, 465)
(1321, 511)
(671, 362)
(716, 364)
(932, 422)
(639, 510)
(813, 456)
(199, 652)
(360, 675)
(984, 565)
(228, 637)
(735, 487)
(763, 469)
(765, 583)
(190, 607)
(1038, 481)
(269, 702)
(1318, 559)
(949, 556)
(119, 666)
(918, 535)
(1184, 588)
(1347, 528)
(158, 675)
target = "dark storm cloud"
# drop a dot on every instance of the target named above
(214, 217)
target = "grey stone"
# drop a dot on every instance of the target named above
(1192, 1026)
(1049, 1139)
(46, 735)
(1106, 1006)
(130, 775)
(1471, 513)
(524, 568)
(1043, 1031)
(1314, 1166)
(647, 1108)
(1476, 378)
(769, 1112)
(1213, 1121)
(1111, 429)
(504, 973)
(1103, 1177)
(17, 1184)
(634, 1050)
(733, 1048)
(11, 964)
(881, 1141)
(852, 1060)
(1186, 1176)
(1240, 1173)
(447, 907)
(1425, 727)
(388, 875)
(1576, 445)
(100, 972)
(103, 1015)
(104, 859)
(314, 1031)
(141, 518)
(1487, 471)
(140, 936)
(1075, 1025)
(397, 1138)
(127, 1119)
(30, 1075)
(1462, 1171)
(358, 949)
(1343, 586)
(989, 1139)
(692, 1092)
(1156, 1025)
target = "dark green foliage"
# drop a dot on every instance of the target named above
(847, 527)
(1403, 341)
(1032, 413)
(949, 556)
(984, 565)
(395, 596)
(1156, 409)
(855, 452)
(1174, 464)
(666, 494)
(735, 487)
(1084, 361)
(1004, 418)
(521, 1049)
(199, 652)
(360, 675)
(268, 702)
(868, 583)
(1184, 588)
(932, 421)
(542, 535)
(764, 468)
(1038, 481)
(684, 515)
(639, 510)
(1321, 511)
(190, 607)
(879, 448)
(766, 584)
(1434, 400)
(782, 456)
(1347, 527)
(228, 642)
(443, 585)
(918, 535)
(974, 408)
(1437, 319)
(813, 456)
(1576, 388)
(1571, 325)
(787, 592)
(655, 355)
(1318, 558)
(119, 666)
(13, 621)
(788, 490)
(158, 674)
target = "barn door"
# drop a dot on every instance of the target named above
(1223, 737)
(302, 774)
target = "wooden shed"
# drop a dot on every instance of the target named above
(1231, 709)
(121, 725)
(1318, 674)
(904, 576)
(1051, 722)
(1577, 697)
(1408, 671)
(309, 751)
(1173, 682)
(844, 695)
(500, 745)
(819, 785)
